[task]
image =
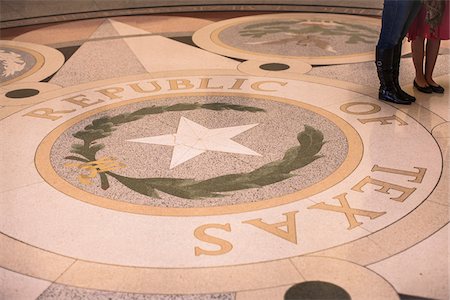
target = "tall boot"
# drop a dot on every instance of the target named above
(396, 71)
(388, 91)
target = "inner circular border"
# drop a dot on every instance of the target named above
(46, 170)
(208, 38)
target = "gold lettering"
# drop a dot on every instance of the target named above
(111, 92)
(384, 120)
(238, 84)
(47, 113)
(385, 188)
(257, 85)
(374, 108)
(204, 84)
(290, 234)
(418, 176)
(349, 212)
(137, 88)
(83, 102)
(200, 234)
(180, 84)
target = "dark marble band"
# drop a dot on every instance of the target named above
(20, 14)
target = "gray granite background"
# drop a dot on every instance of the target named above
(63, 292)
(118, 61)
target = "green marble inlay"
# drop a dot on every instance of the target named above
(274, 67)
(316, 290)
(22, 93)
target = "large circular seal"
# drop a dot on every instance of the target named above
(126, 130)
(297, 150)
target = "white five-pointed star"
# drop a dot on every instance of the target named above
(192, 139)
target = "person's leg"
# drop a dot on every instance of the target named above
(417, 48)
(390, 27)
(414, 7)
(396, 18)
(396, 14)
(432, 53)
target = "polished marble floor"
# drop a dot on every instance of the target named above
(218, 156)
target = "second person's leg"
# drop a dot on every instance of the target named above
(432, 53)
(417, 48)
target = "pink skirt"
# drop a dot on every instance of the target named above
(420, 28)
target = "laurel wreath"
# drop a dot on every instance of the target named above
(310, 140)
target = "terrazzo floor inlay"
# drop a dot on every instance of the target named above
(208, 177)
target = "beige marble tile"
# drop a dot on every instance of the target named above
(427, 266)
(167, 55)
(442, 135)
(18, 286)
(164, 24)
(70, 33)
(421, 223)
(350, 86)
(421, 114)
(181, 281)
(362, 251)
(25, 259)
(436, 103)
(445, 44)
(6, 111)
(317, 92)
(442, 130)
(75, 231)
(28, 133)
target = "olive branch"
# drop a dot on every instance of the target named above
(310, 140)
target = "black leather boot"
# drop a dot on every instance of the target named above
(396, 71)
(388, 91)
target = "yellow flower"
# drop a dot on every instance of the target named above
(90, 170)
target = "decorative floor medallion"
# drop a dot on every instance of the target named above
(21, 62)
(313, 38)
(149, 168)
(290, 161)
